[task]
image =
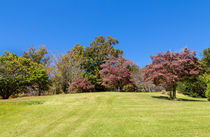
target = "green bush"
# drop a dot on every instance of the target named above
(18, 73)
(192, 88)
(208, 91)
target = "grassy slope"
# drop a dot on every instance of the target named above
(104, 114)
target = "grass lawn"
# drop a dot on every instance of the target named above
(105, 114)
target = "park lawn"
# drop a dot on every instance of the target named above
(105, 114)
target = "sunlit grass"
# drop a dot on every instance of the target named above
(105, 114)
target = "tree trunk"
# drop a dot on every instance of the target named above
(6, 95)
(118, 89)
(39, 94)
(170, 94)
(174, 91)
(119, 86)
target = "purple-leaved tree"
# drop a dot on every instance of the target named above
(116, 72)
(170, 67)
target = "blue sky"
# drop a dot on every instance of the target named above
(143, 27)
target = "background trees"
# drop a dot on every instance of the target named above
(101, 67)
(205, 76)
(66, 68)
(39, 56)
(138, 80)
(170, 67)
(205, 61)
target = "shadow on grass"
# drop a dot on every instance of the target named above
(178, 99)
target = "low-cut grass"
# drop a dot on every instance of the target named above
(105, 114)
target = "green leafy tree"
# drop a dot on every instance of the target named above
(205, 61)
(95, 55)
(39, 56)
(205, 64)
(208, 91)
(16, 73)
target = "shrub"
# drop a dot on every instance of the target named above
(129, 88)
(208, 91)
(81, 85)
(194, 88)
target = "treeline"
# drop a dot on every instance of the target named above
(101, 67)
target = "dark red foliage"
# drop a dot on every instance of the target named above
(168, 68)
(116, 72)
(81, 85)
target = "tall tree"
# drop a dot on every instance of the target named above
(95, 55)
(170, 67)
(67, 67)
(39, 56)
(116, 72)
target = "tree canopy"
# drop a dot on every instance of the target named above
(17, 72)
(170, 67)
(116, 72)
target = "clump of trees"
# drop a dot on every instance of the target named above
(101, 67)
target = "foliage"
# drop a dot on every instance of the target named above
(39, 56)
(17, 72)
(116, 72)
(205, 77)
(170, 67)
(142, 85)
(66, 68)
(83, 62)
(95, 55)
(194, 87)
(101, 66)
(205, 61)
(81, 85)
(208, 91)
(129, 88)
